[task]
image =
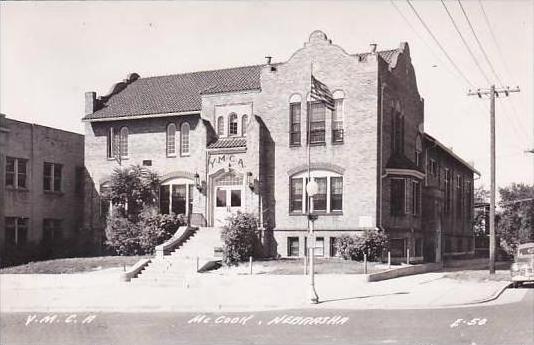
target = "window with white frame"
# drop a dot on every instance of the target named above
(459, 196)
(294, 124)
(52, 177)
(171, 140)
(293, 246)
(16, 231)
(329, 198)
(232, 124)
(111, 143)
(244, 124)
(52, 230)
(447, 186)
(418, 150)
(184, 139)
(176, 196)
(16, 172)
(337, 117)
(220, 126)
(123, 142)
(416, 198)
(317, 115)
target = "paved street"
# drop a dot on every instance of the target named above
(506, 321)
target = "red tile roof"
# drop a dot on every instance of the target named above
(226, 143)
(180, 93)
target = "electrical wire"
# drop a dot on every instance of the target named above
(439, 45)
(465, 42)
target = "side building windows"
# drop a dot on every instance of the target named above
(294, 123)
(16, 173)
(123, 142)
(316, 116)
(418, 151)
(329, 197)
(416, 198)
(447, 182)
(220, 126)
(244, 124)
(16, 231)
(184, 139)
(52, 177)
(171, 140)
(111, 143)
(117, 144)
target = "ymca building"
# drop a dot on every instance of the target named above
(236, 139)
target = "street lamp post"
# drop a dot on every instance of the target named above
(312, 188)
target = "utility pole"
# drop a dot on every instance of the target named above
(492, 92)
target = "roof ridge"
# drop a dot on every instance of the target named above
(203, 71)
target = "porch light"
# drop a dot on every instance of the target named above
(250, 180)
(197, 181)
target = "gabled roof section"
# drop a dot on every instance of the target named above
(229, 143)
(450, 152)
(176, 93)
(400, 161)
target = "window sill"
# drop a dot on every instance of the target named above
(171, 155)
(19, 189)
(318, 213)
(318, 144)
(185, 155)
(337, 142)
(52, 192)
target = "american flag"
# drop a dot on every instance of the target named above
(320, 92)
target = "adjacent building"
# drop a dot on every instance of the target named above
(41, 191)
(237, 139)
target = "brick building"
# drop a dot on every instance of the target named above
(236, 139)
(41, 191)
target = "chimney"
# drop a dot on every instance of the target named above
(90, 102)
(373, 48)
(269, 58)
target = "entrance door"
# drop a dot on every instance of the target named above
(227, 202)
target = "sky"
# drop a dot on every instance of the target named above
(51, 53)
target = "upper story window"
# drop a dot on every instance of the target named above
(123, 142)
(111, 143)
(52, 177)
(16, 231)
(397, 129)
(416, 198)
(447, 182)
(418, 150)
(337, 117)
(329, 197)
(317, 112)
(244, 124)
(432, 167)
(220, 126)
(184, 139)
(294, 120)
(232, 124)
(171, 140)
(16, 172)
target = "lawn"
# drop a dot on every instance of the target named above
(296, 266)
(72, 265)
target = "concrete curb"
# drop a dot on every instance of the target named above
(496, 294)
(403, 271)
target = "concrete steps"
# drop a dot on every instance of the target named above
(175, 268)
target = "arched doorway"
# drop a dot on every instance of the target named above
(176, 196)
(228, 196)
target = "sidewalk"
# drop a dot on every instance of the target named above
(101, 291)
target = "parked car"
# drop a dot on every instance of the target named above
(522, 269)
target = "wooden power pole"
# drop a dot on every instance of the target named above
(492, 92)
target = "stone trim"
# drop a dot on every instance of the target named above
(317, 166)
(178, 174)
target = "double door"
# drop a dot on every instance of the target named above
(228, 200)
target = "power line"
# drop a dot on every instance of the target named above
(479, 44)
(439, 44)
(465, 43)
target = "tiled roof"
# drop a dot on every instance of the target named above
(179, 93)
(387, 55)
(176, 93)
(226, 143)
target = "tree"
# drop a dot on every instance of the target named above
(516, 218)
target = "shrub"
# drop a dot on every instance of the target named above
(157, 228)
(239, 238)
(372, 243)
(123, 235)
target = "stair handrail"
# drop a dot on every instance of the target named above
(179, 237)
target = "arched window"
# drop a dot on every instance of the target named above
(220, 126)
(294, 120)
(171, 139)
(232, 124)
(244, 123)
(337, 117)
(418, 150)
(123, 144)
(329, 197)
(184, 139)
